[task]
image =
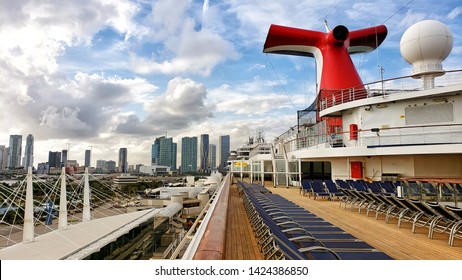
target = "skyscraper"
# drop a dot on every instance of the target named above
(188, 154)
(101, 164)
(87, 158)
(64, 158)
(213, 157)
(155, 151)
(167, 153)
(29, 152)
(3, 156)
(174, 153)
(111, 166)
(204, 153)
(224, 146)
(6, 156)
(54, 160)
(15, 151)
(123, 162)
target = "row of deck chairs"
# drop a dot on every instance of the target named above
(285, 230)
(432, 215)
(330, 189)
(427, 191)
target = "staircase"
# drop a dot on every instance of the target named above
(280, 167)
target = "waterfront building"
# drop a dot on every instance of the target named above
(155, 151)
(29, 152)
(101, 163)
(3, 155)
(167, 154)
(111, 166)
(123, 162)
(15, 151)
(54, 160)
(224, 146)
(188, 154)
(63, 157)
(212, 157)
(87, 158)
(204, 153)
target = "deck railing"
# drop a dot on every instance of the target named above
(208, 241)
(383, 87)
(375, 137)
(413, 135)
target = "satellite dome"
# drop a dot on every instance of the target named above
(425, 45)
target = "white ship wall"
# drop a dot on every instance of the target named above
(437, 166)
(432, 111)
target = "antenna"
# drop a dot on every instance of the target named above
(381, 70)
(327, 26)
(93, 146)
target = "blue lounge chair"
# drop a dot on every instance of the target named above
(306, 187)
(318, 190)
(388, 188)
(333, 190)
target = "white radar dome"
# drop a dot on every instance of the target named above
(425, 45)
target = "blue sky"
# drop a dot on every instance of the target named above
(119, 73)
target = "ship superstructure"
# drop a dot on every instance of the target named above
(404, 127)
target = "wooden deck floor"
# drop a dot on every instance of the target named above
(240, 240)
(399, 243)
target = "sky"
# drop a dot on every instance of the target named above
(104, 74)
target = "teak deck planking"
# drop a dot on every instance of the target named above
(399, 243)
(241, 243)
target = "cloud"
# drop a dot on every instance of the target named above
(455, 13)
(60, 119)
(106, 72)
(131, 124)
(83, 107)
(198, 52)
(181, 47)
(183, 104)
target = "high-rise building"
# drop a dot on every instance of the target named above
(29, 152)
(87, 158)
(188, 154)
(167, 154)
(63, 157)
(100, 166)
(123, 160)
(6, 156)
(14, 160)
(224, 147)
(111, 166)
(101, 163)
(174, 154)
(54, 160)
(213, 157)
(204, 153)
(3, 157)
(155, 151)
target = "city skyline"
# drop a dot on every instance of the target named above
(164, 153)
(129, 71)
